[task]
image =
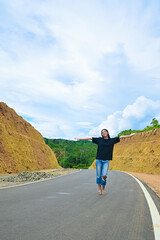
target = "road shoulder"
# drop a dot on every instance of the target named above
(9, 180)
(153, 181)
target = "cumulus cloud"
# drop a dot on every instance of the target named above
(135, 116)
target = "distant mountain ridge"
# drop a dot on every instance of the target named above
(22, 147)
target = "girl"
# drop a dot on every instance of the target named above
(104, 155)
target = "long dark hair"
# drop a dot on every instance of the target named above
(106, 131)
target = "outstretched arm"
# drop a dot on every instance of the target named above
(127, 136)
(87, 138)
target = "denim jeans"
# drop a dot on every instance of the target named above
(101, 170)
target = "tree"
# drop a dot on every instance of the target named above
(154, 122)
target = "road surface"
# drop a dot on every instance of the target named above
(68, 208)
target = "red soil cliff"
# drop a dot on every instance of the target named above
(21, 146)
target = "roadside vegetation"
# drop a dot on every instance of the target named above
(154, 124)
(73, 154)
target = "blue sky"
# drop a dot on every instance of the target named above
(71, 68)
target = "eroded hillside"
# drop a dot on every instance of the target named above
(140, 153)
(21, 146)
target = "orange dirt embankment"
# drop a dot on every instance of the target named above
(22, 147)
(139, 153)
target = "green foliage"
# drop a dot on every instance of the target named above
(154, 124)
(73, 154)
(125, 132)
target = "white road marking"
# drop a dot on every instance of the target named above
(63, 193)
(153, 210)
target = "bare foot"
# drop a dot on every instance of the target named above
(103, 192)
(99, 192)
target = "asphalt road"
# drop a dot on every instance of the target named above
(68, 208)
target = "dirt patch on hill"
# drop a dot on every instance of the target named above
(22, 147)
(139, 153)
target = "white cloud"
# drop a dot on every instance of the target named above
(140, 108)
(132, 117)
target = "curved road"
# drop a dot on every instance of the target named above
(68, 208)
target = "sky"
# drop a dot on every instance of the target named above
(73, 67)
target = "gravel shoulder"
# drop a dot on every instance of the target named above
(7, 180)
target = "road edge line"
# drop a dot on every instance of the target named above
(155, 216)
